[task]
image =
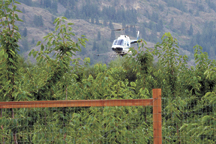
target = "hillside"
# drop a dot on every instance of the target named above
(183, 18)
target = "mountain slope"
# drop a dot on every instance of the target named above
(93, 17)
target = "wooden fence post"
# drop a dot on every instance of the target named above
(157, 118)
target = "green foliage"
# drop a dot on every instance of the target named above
(10, 71)
(12, 85)
(63, 48)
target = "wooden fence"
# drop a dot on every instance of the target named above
(155, 102)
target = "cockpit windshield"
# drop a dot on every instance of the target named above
(118, 42)
(114, 42)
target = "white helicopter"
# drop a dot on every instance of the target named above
(122, 44)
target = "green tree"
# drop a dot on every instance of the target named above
(177, 4)
(183, 28)
(127, 31)
(112, 36)
(25, 32)
(92, 20)
(143, 32)
(54, 6)
(212, 53)
(58, 76)
(161, 7)
(168, 77)
(155, 17)
(159, 26)
(64, 48)
(27, 2)
(169, 46)
(203, 90)
(97, 21)
(33, 41)
(134, 32)
(94, 47)
(197, 13)
(83, 51)
(9, 64)
(23, 10)
(99, 36)
(23, 18)
(25, 44)
(67, 14)
(9, 46)
(53, 18)
(190, 32)
(47, 3)
(171, 23)
(105, 22)
(38, 21)
(111, 25)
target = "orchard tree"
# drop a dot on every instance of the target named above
(58, 67)
(10, 76)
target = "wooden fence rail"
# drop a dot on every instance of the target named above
(76, 103)
(155, 102)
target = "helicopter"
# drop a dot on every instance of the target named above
(122, 44)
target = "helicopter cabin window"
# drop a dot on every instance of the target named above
(120, 42)
(114, 42)
(127, 43)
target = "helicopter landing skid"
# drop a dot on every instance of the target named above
(121, 54)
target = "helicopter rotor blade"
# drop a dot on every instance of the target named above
(119, 29)
(123, 28)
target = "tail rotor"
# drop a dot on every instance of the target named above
(138, 37)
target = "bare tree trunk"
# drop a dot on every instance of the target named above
(45, 121)
(2, 128)
(145, 115)
(65, 135)
(14, 132)
(64, 113)
(66, 93)
(178, 134)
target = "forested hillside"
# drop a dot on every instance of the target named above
(190, 21)
(188, 93)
